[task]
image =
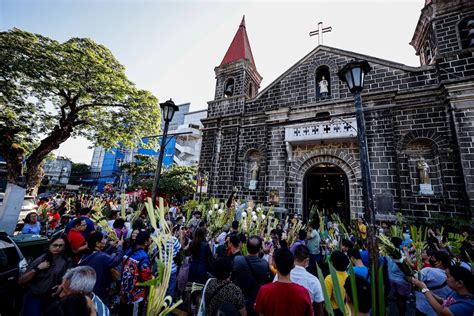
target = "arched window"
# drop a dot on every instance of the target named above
(466, 32)
(250, 91)
(229, 87)
(323, 82)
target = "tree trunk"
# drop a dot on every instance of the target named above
(34, 162)
(13, 155)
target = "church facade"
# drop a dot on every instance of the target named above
(294, 144)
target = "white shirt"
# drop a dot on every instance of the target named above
(300, 276)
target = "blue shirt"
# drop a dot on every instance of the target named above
(394, 272)
(174, 242)
(33, 229)
(433, 278)
(363, 272)
(102, 262)
(463, 304)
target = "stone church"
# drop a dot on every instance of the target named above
(294, 143)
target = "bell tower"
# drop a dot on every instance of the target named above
(237, 75)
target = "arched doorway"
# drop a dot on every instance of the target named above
(326, 187)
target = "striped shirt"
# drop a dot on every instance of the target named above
(176, 247)
(100, 307)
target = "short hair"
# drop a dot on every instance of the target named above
(81, 279)
(443, 257)
(254, 244)
(347, 243)
(234, 240)
(301, 253)
(339, 260)
(119, 223)
(284, 261)
(77, 222)
(363, 293)
(396, 241)
(222, 268)
(85, 211)
(138, 224)
(354, 253)
(235, 225)
(302, 234)
(197, 213)
(94, 238)
(142, 238)
(462, 274)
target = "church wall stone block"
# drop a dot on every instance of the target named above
(412, 114)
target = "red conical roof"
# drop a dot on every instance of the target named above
(240, 47)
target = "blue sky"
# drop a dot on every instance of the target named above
(172, 47)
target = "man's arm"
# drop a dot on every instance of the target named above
(318, 309)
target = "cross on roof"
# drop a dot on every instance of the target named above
(320, 32)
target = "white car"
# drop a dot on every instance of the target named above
(27, 207)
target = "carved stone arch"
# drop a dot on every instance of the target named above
(249, 154)
(311, 79)
(413, 146)
(340, 158)
(439, 142)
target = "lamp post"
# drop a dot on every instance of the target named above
(167, 109)
(353, 74)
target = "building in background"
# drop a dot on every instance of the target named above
(183, 147)
(58, 171)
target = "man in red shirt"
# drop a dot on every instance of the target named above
(283, 297)
(76, 240)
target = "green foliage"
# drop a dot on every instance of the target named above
(355, 298)
(327, 300)
(381, 292)
(143, 164)
(174, 181)
(189, 207)
(336, 288)
(373, 292)
(51, 91)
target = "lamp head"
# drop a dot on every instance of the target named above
(353, 74)
(168, 109)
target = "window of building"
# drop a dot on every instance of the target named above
(229, 87)
(466, 32)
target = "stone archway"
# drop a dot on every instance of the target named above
(340, 159)
(326, 187)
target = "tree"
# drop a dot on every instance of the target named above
(175, 181)
(143, 166)
(78, 172)
(52, 91)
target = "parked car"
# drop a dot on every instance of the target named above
(28, 206)
(12, 265)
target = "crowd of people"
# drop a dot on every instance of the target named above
(86, 272)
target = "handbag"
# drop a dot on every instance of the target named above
(202, 305)
(183, 274)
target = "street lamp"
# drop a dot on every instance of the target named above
(353, 74)
(167, 110)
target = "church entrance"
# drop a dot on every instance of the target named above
(326, 187)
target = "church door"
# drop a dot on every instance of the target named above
(326, 187)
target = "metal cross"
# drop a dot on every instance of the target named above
(320, 32)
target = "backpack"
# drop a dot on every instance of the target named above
(130, 292)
